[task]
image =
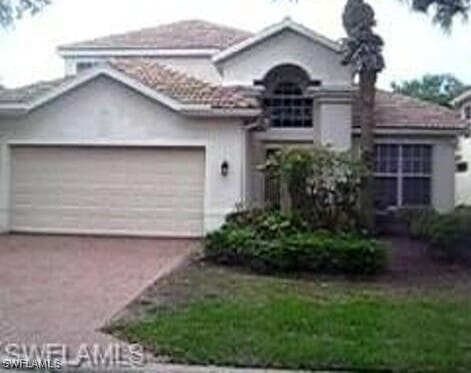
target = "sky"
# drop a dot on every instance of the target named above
(413, 45)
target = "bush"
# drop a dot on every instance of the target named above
(420, 222)
(319, 251)
(268, 223)
(450, 234)
(323, 185)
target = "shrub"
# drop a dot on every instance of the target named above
(319, 251)
(420, 222)
(268, 223)
(323, 185)
(450, 233)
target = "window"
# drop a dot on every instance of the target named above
(84, 66)
(285, 102)
(402, 175)
(288, 107)
(467, 112)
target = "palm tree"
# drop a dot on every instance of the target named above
(11, 10)
(364, 52)
(445, 11)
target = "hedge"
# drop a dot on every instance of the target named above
(318, 252)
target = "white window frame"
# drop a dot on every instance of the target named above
(400, 175)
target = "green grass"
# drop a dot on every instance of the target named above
(257, 321)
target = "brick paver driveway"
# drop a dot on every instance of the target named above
(62, 289)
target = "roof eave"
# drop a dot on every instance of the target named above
(418, 129)
(208, 112)
(460, 98)
(272, 30)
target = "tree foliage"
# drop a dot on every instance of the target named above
(363, 47)
(439, 88)
(443, 11)
(323, 185)
(11, 10)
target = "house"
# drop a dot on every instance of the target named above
(158, 132)
(463, 177)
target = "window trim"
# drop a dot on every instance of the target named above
(300, 109)
(467, 112)
(81, 66)
(400, 175)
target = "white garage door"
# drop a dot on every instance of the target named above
(143, 191)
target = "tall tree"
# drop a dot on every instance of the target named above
(444, 11)
(364, 51)
(12, 10)
(438, 88)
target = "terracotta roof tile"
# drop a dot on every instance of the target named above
(398, 111)
(180, 86)
(392, 110)
(190, 34)
(29, 92)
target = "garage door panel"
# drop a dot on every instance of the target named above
(189, 198)
(116, 190)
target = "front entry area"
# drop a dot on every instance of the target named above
(108, 190)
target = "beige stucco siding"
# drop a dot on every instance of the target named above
(200, 67)
(286, 47)
(103, 112)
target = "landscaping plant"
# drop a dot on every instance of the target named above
(447, 234)
(323, 185)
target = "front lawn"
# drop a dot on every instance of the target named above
(210, 315)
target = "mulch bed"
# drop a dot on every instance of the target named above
(411, 263)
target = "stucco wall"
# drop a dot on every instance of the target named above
(463, 179)
(199, 67)
(286, 47)
(335, 127)
(104, 112)
(443, 169)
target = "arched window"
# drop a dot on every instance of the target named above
(286, 103)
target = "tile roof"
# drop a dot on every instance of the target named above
(190, 34)
(177, 85)
(399, 111)
(182, 87)
(30, 92)
(392, 110)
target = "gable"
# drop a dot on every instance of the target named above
(91, 110)
(104, 109)
(172, 88)
(287, 46)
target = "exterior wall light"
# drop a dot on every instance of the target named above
(224, 168)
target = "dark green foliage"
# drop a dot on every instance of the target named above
(11, 10)
(420, 222)
(273, 242)
(450, 234)
(323, 186)
(363, 47)
(439, 89)
(444, 11)
(268, 223)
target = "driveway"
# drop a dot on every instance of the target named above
(62, 289)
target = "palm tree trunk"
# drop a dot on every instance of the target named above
(367, 97)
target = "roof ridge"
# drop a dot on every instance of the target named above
(159, 28)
